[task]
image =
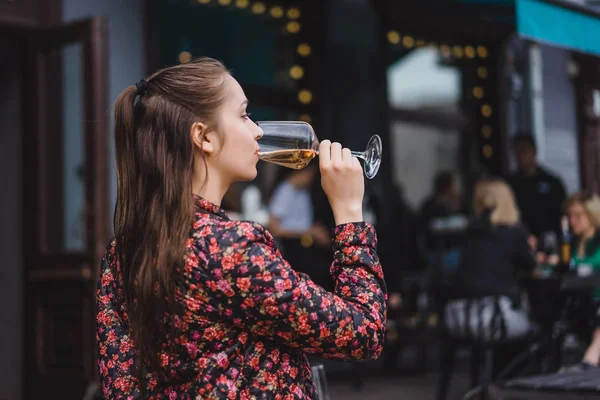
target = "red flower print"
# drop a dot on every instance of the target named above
(243, 284)
(125, 346)
(223, 285)
(228, 263)
(237, 294)
(209, 334)
(363, 298)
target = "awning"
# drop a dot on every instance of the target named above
(559, 23)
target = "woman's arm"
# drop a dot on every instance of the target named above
(277, 303)
(114, 346)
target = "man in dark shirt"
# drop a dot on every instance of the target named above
(443, 222)
(539, 194)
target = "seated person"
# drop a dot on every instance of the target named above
(485, 305)
(583, 212)
(443, 223)
(304, 241)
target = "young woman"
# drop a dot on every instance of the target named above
(192, 305)
(583, 212)
(487, 288)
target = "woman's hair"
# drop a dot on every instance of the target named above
(590, 202)
(155, 207)
(496, 197)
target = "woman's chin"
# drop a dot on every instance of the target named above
(248, 175)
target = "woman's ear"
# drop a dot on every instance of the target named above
(201, 138)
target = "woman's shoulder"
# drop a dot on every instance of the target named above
(228, 232)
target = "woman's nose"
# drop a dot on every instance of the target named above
(259, 132)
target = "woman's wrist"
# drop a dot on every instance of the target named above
(348, 218)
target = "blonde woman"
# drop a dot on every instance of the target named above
(583, 212)
(487, 290)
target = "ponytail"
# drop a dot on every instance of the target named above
(154, 209)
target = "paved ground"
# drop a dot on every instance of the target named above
(415, 386)
(402, 388)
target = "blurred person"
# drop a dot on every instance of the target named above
(539, 193)
(305, 242)
(397, 226)
(442, 222)
(583, 212)
(191, 304)
(486, 301)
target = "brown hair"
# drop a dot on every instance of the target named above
(154, 208)
(590, 203)
(497, 197)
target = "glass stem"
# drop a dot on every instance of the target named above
(357, 154)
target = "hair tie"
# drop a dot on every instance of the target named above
(141, 87)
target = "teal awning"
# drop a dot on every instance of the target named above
(559, 24)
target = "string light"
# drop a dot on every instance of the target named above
(296, 72)
(224, 2)
(482, 51)
(486, 131)
(242, 3)
(420, 43)
(457, 51)
(488, 151)
(293, 13)
(408, 42)
(185, 56)
(486, 110)
(276, 12)
(478, 92)
(203, 1)
(393, 37)
(258, 8)
(305, 96)
(470, 52)
(293, 27)
(482, 72)
(304, 49)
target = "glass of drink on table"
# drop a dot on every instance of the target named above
(293, 144)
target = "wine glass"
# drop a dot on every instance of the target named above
(293, 144)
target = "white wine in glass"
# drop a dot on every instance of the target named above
(293, 144)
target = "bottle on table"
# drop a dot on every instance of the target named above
(565, 248)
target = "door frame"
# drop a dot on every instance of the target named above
(60, 287)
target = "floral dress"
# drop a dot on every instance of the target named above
(249, 320)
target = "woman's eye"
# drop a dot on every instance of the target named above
(246, 116)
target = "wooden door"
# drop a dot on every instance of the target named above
(66, 215)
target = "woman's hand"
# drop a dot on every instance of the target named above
(553, 259)
(343, 182)
(540, 257)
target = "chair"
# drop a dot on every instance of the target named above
(482, 351)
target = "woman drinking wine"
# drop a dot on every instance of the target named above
(193, 305)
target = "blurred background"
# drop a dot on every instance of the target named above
(447, 84)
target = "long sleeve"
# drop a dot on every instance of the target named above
(115, 347)
(276, 303)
